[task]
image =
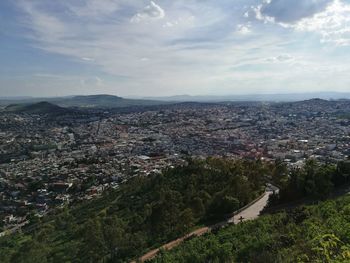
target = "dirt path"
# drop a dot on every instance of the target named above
(173, 244)
(249, 213)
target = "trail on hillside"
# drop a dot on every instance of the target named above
(250, 212)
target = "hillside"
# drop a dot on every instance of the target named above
(102, 101)
(37, 108)
(91, 101)
(142, 214)
(319, 233)
(147, 212)
(257, 97)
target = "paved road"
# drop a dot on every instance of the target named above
(14, 229)
(249, 213)
(252, 212)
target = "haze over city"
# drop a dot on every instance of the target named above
(165, 47)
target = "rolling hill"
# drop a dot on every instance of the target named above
(90, 101)
(38, 108)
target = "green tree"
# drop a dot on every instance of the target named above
(198, 207)
(113, 232)
(93, 247)
(31, 252)
(186, 221)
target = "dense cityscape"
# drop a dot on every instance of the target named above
(172, 131)
(50, 161)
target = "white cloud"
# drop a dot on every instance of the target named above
(94, 81)
(333, 24)
(290, 11)
(135, 55)
(180, 21)
(99, 81)
(150, 12)
(243, 29)
(284, 58)
(45, 26)
(191, 49)
(328, 18)
(95, 8)
(87, 59)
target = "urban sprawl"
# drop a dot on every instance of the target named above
(48, 162)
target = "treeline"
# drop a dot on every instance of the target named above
(313, 180)
(308, 234)
(143, 213)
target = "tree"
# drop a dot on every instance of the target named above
(279, 174)
(329, 248)
(93, 247)
(31, 252)
(186, 221)
(113, 232)
(323, 181)
(223, 204)
(198, 207)
(165, 213)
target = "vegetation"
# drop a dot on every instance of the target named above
(143, 213)
(146, 212)
(314, 180)
(318, 233)
(91, 101)
(103, 101)
(345, 116)
(39, 108)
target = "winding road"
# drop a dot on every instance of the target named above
(14, 229)
(253, 211)
(250, 212)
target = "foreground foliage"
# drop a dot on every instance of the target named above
(313, 180)
(144, 213)
(319, 233)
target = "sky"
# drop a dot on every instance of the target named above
(171, 47)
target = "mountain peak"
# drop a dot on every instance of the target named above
(42, 107)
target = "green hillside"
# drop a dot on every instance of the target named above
(89, 101)
(146, 212)
(319, 233)
(37, 108)
(142, 214)
(102, 101)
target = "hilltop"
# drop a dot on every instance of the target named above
(273, 97)
(37, 108)
(90, 101)
(112, 101)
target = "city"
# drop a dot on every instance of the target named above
(51, 162)
(173, 131)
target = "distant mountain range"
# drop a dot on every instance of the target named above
(91, 101)
(110, 101)
(257, 97)
(38, 108)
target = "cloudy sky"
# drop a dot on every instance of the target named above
(168, 47)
